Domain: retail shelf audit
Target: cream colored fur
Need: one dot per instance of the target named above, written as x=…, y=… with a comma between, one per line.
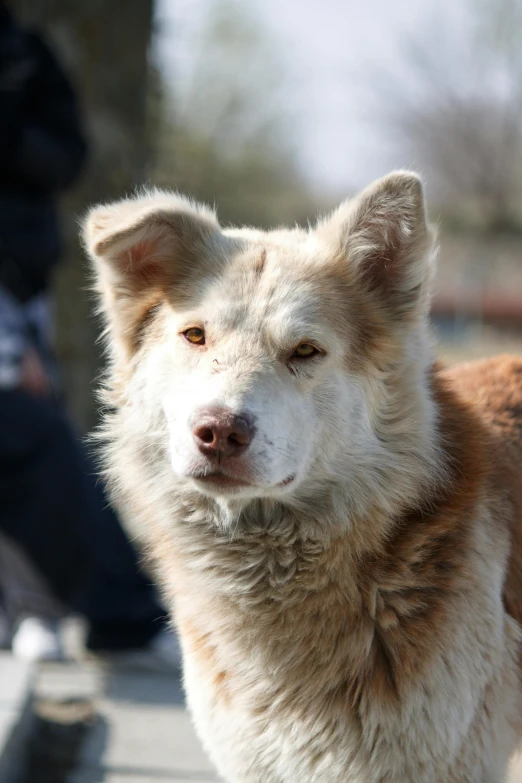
x=277, y=616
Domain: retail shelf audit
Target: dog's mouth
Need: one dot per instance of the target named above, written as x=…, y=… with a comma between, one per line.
x=223, y=481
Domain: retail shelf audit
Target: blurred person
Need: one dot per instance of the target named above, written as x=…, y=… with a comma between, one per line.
x=54, y=509
x=53, y=512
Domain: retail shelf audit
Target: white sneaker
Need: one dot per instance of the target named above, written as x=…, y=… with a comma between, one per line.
x=162, y=655
x=37, y=639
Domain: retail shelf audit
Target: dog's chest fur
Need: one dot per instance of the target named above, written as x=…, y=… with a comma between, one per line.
x=305, y=663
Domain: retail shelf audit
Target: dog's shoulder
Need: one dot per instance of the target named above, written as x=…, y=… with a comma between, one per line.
x=494, y=388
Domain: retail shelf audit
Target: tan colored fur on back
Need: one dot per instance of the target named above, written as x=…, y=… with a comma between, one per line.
x=336, y=520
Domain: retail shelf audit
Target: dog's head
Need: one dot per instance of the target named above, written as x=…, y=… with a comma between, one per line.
x=263, y=358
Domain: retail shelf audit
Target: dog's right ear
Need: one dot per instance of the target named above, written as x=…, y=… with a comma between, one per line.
x=149, y=240
x=144, y=249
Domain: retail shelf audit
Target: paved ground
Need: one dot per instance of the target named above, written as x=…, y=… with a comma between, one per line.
x=16, y=681
x=142, y=733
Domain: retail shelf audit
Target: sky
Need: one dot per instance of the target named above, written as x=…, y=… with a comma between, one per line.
x=343, y=63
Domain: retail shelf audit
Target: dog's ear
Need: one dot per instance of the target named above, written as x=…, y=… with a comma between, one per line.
x=149, y=240
x=143, y=249
x=384, y=238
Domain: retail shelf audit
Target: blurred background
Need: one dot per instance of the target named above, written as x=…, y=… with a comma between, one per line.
x=277, y=110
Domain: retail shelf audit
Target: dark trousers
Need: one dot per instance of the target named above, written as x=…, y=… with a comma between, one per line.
x=53, y=506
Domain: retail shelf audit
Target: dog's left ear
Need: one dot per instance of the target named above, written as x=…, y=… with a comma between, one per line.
x=384, y=239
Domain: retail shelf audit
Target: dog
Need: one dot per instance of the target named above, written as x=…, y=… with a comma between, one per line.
x=336, y=520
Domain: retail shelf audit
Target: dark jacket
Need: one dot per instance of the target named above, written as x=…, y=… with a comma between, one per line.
x=42, y=149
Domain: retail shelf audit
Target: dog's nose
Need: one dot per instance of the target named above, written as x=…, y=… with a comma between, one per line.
x=221, y=434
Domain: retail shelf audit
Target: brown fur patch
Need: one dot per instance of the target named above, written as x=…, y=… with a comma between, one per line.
x=494, y=388
x=259, y=263
x=408, y=583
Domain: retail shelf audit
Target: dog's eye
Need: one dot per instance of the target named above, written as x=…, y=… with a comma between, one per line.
x=195, y=336
x=305, y=351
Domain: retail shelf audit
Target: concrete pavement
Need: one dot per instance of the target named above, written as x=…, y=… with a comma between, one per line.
x=16, y=687
x=143, y=733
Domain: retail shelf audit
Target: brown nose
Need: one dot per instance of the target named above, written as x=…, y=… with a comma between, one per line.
x=220, y=434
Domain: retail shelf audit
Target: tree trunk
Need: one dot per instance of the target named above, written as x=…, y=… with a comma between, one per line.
x=104, y=47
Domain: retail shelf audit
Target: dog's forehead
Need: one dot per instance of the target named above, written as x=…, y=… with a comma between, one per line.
x=264, y=282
